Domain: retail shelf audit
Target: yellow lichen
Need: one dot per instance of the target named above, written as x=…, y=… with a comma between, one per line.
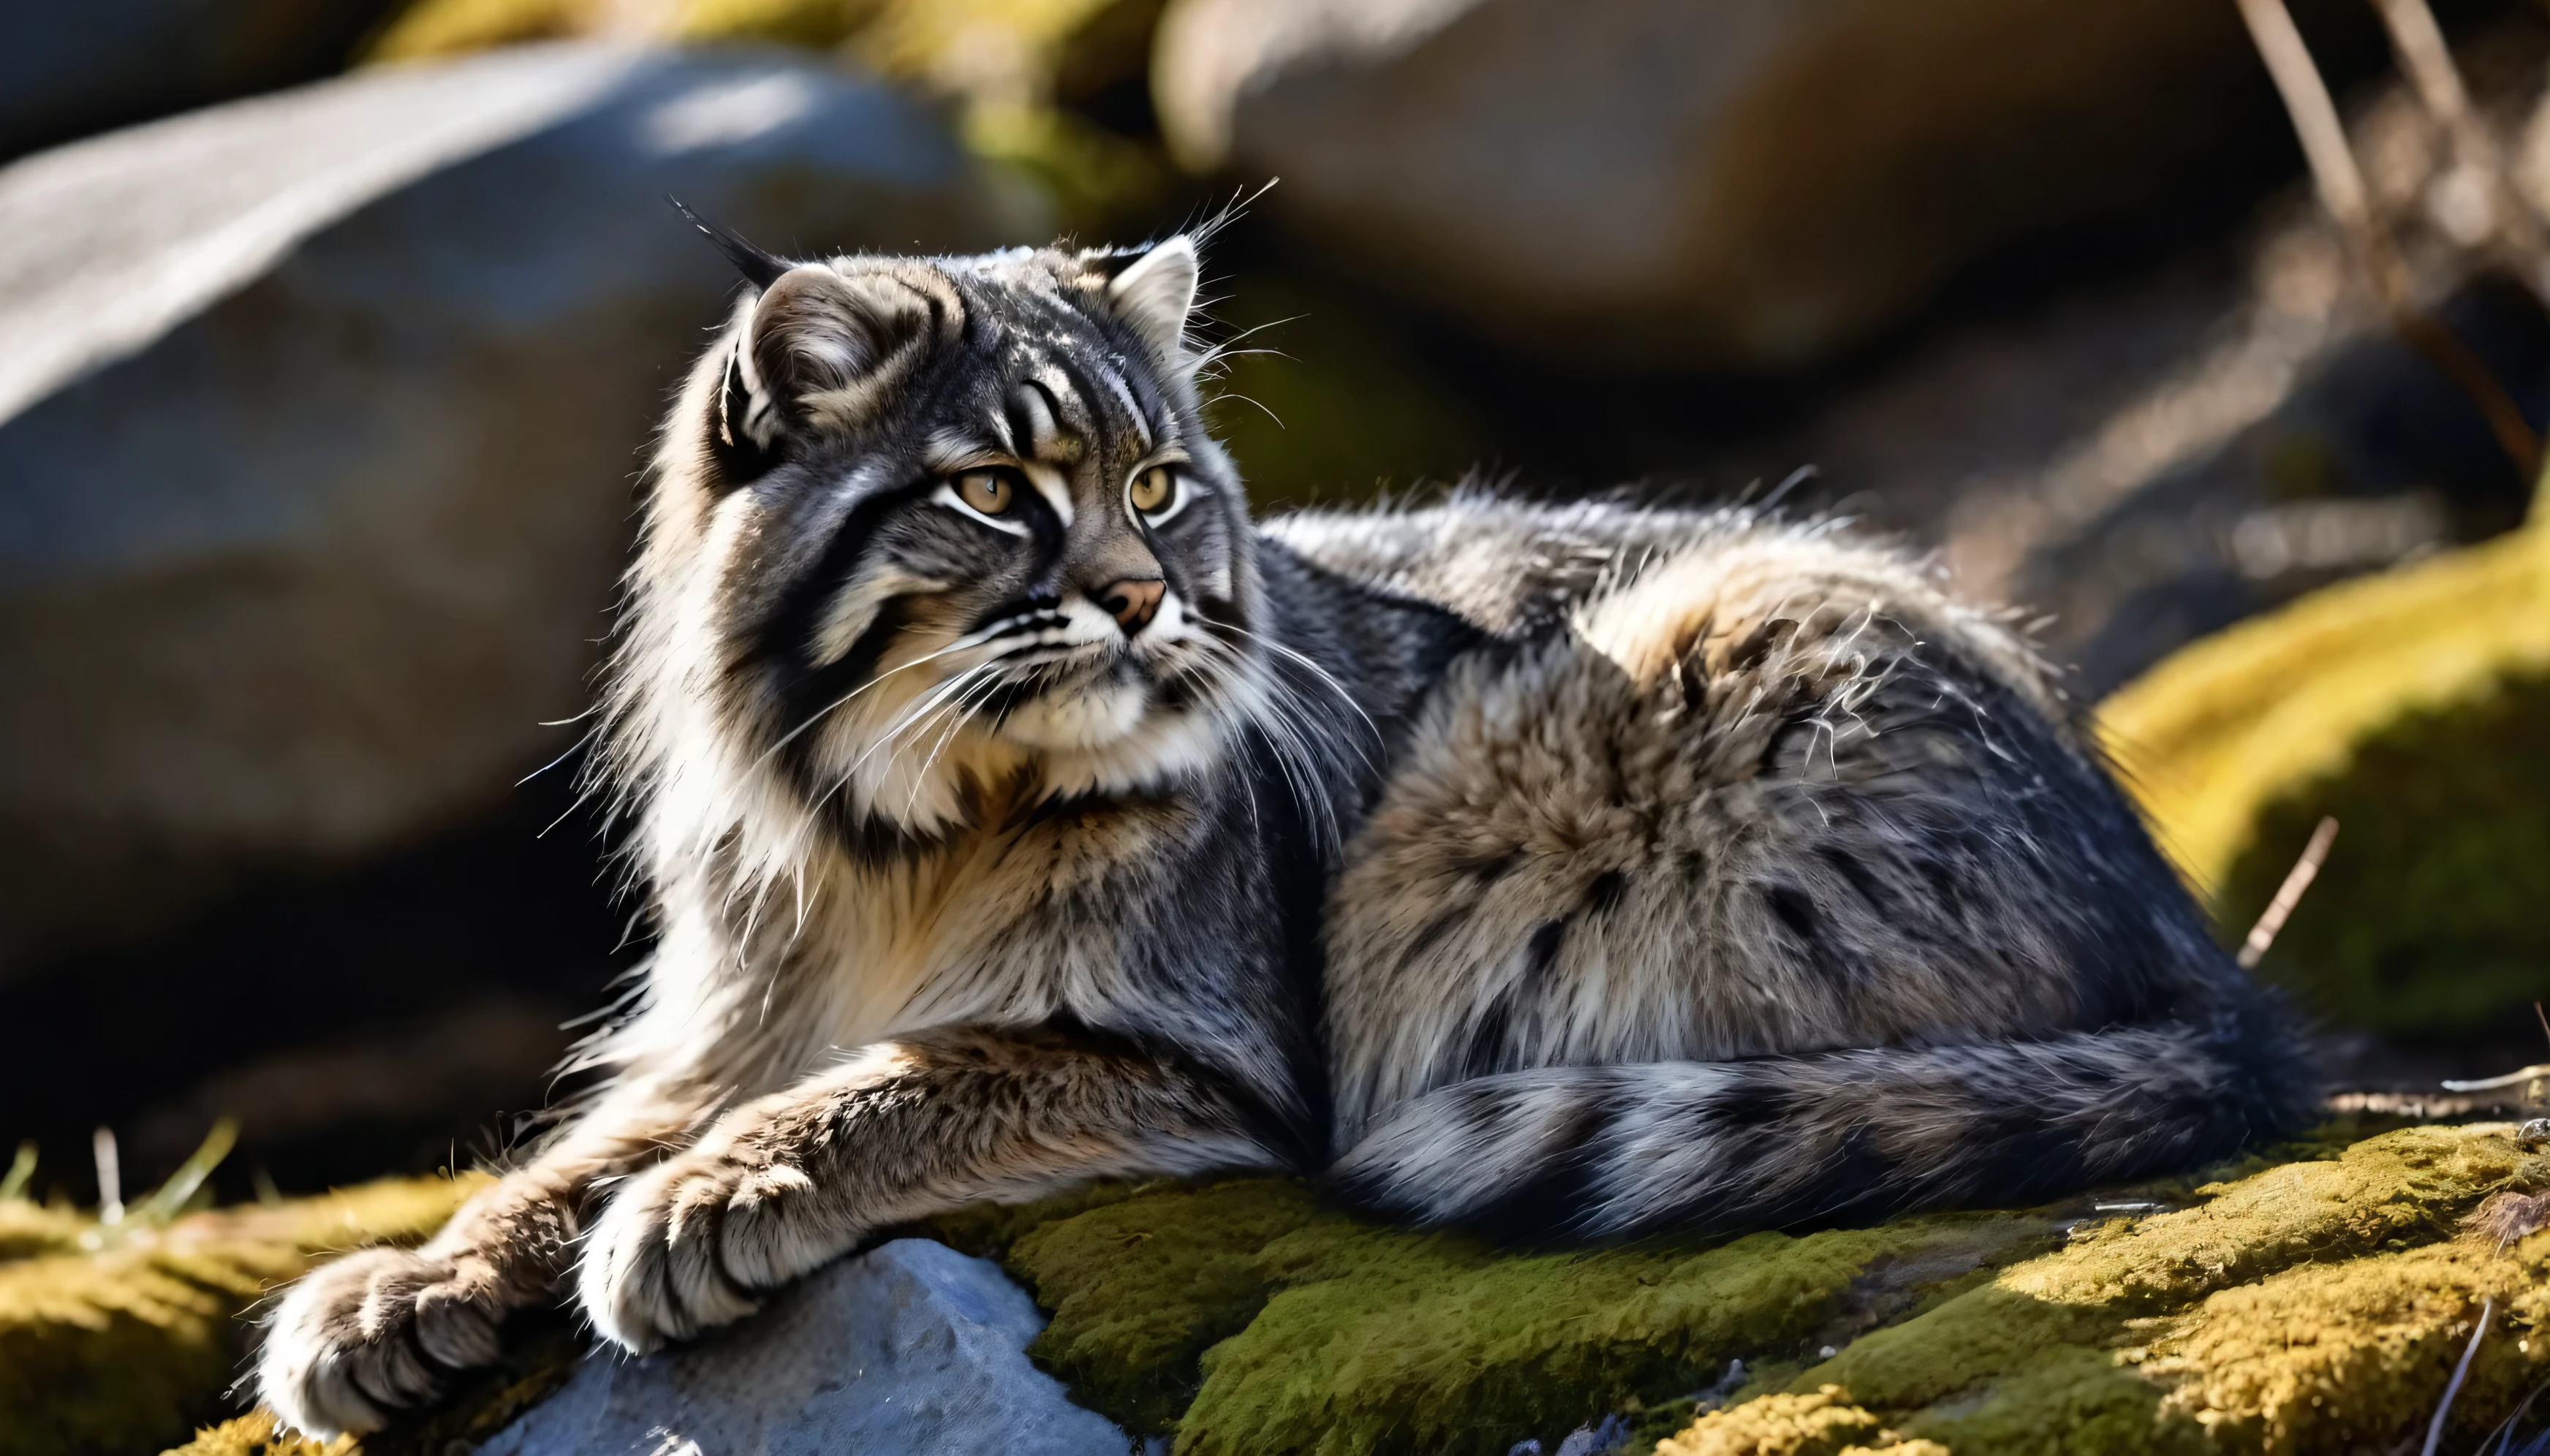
x=257, y=1433
x=1821, y=1423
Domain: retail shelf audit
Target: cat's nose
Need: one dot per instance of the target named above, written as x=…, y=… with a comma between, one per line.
x=1132, y=601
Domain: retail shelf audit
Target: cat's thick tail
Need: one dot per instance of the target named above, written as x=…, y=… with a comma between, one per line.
x=1609, y=1151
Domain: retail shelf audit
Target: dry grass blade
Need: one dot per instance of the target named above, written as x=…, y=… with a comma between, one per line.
x=2315, y=122
x=2419, y=44
x=2288, y=894
x=2435, y=1428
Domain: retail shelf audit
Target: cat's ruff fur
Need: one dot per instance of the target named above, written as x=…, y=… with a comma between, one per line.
x=1571, y=872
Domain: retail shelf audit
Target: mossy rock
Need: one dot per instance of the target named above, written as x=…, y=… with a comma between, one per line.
x=1247, y=1316
x=2314, y=1299
x=2414, y=706
x=2429, y=919
x=117, y=1341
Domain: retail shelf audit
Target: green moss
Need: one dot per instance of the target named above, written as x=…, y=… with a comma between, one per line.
x=2235, y=722
x=124, y=1344
x=1140, y=1289
x=2310, y=1299
x=2309, y=1306
x=2411, y=706
x=27, y=1230
x=2426, y=919
x=1246, y=1317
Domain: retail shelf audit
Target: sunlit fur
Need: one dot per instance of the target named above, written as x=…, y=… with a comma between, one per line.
x=1570, y=872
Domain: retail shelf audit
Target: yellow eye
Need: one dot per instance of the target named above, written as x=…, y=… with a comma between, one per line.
x=987, y=491
x=1153, y=489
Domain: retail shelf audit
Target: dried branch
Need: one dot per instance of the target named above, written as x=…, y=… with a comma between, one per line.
x=2341, y=190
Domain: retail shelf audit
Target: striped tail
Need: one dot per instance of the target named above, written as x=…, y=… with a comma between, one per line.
x=1614, y=1151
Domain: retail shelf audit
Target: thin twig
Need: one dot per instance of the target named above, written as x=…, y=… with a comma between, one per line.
x=2288, y=894
x=2419, y=44
x=2435, y=1428
x=2340, y=184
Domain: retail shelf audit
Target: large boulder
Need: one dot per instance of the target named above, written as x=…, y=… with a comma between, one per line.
x=318, y=426
x=66, y=70
x=1755, y=182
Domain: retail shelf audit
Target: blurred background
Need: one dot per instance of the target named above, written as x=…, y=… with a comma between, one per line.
x=332, y=332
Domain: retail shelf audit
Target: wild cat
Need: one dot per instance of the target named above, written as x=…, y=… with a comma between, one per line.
x=1014, y=811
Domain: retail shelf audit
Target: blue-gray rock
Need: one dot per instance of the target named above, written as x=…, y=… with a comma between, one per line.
x=910, y=1348
x=318, y=421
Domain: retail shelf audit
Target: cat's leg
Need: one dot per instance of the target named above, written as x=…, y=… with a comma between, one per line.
x=384, y=1329
x=780, y=1186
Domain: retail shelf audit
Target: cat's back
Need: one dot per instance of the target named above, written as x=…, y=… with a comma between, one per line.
x=1721, y=787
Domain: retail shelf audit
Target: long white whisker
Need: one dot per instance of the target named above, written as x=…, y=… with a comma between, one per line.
x=1324, y=677
x=931, y=702
x=1284, y=724
x=819, y=715
x=966, y=704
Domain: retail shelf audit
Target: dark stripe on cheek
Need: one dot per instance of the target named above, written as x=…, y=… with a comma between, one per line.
x=813, y=693
x=783, y=650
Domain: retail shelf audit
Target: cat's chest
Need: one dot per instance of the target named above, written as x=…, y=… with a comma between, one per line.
x=1003, y=929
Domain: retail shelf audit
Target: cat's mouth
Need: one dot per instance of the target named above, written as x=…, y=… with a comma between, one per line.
x=1099, y=694
x=1076, y=706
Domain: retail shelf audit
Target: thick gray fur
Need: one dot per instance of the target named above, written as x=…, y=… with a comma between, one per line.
x=1572, y=872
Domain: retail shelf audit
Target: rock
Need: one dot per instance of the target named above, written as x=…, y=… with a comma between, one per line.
x=2411, y=706
x=912, y=1347
x=66, y=70
x=2188, y=1314
x=1757, y=184
x=317, y=432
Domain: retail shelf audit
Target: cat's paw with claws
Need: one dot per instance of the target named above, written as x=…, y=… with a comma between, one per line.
x=376, y=1332
x=697, y=1242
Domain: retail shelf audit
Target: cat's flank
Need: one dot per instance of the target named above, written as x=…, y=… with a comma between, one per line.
x=1014, y=812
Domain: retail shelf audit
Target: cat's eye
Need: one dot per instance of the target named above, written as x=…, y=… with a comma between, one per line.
x=991, y=492
x=1154, y=490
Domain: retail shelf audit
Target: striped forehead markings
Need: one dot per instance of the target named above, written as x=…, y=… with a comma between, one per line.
x=1133, y=411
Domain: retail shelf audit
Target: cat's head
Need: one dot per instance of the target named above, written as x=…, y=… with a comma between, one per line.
x=936, y=534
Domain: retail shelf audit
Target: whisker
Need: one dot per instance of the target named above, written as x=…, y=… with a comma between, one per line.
x=819, y=715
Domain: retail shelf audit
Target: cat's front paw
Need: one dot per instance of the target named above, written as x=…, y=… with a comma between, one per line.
x=694, y=1243
x=373, y=1333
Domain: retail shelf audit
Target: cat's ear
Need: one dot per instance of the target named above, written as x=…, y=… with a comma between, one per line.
x=759, y=268
x=821, y=350
x=1153, y=294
